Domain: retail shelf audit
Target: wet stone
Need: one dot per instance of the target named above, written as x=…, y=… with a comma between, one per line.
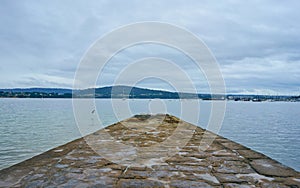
x=250, y=154
x=293, y=182
x=235, y=185
x=186, y=183
x=254, y=178
x=208, y=177
x=103, y=181
x=206, y=160
x=272, y=168
x=233, y=146
x=219, y=160
x=224, y=153
x=192, y=168
x=163, y=168
x=61, y=166
x=166, y=175
x=229, y=178
x=34, y=177
x=139, y=183
x=272, y=185
x=36, y=183
x=236, y=167
x=75, y=176
x=132, y=174
x=75, y=183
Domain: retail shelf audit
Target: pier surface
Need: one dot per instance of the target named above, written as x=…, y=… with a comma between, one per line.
x=219, y=163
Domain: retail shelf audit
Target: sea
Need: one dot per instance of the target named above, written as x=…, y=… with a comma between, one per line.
x=29, y=127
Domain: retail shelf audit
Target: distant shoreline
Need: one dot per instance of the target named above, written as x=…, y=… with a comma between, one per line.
x=127, y=92
x=149, y=99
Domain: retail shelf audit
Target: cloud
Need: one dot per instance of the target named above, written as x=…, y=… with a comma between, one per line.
x=256, y=43
x=42, y=80
x=262, y=74
x=131, y=59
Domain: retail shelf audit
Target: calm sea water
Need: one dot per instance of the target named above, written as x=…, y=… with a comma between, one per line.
x=31, y=126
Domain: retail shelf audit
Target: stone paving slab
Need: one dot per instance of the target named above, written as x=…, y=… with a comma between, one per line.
x=219, y=163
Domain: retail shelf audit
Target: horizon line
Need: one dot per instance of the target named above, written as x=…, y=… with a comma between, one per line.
x=156, y=89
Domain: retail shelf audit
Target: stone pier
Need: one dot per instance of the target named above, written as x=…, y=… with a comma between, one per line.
x=151, y=151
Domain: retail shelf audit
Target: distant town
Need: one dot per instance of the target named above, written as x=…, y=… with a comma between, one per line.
x=124, y=92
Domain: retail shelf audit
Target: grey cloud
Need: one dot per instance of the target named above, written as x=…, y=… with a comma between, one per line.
x=256, y=43
x=268, y=74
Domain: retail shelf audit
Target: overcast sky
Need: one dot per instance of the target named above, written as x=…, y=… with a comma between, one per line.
x=256, y=43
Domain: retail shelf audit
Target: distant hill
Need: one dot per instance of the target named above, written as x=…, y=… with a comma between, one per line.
x=40, y=90
x=103, y=92
x=131, y=92
x=125, y=92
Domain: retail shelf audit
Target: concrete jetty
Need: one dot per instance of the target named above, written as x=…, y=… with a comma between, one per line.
x=144, y=156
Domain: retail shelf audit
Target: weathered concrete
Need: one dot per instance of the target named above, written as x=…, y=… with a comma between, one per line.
x=223, y=164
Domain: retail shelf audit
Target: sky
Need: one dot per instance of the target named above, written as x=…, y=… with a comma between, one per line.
x=256, y=43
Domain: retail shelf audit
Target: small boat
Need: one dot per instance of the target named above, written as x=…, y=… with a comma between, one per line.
x=256, y=100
